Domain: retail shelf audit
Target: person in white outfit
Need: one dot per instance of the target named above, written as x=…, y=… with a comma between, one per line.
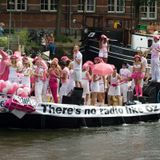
x=103, y=48
x=64, y=81
x=102, y=90
x=26, y=70
x=71, y=82
x=125, y=75
x=94, y=88
x=86, y=78
x=114, y=91
x=155, y=55
x=39, y=78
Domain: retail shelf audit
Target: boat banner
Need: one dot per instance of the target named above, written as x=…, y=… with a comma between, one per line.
x=63, y=110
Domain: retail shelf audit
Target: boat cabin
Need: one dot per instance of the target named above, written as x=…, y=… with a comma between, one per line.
x=141, y=41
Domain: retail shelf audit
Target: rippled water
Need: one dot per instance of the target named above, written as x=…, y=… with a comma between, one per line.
x=131, y=142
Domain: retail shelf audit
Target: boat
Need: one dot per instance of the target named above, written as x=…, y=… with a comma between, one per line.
x=20, y=112
x=75, y=114
x=118, y=52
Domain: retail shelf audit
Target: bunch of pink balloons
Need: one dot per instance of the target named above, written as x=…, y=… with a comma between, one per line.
x=7, y=87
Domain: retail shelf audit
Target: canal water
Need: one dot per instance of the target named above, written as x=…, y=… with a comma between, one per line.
x=128, y=142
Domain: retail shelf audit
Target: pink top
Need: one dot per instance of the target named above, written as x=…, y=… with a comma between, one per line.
x=53, y=77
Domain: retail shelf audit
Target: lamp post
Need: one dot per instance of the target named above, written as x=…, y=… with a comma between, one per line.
x=11, y=4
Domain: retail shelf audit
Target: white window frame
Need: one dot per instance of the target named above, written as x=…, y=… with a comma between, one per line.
x=148, y=12
x=49, y=7
x=15, y=4
x=80, y=5
x=86, y=3
x=115, y=6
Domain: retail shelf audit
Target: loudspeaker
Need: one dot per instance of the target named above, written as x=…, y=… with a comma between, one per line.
x=77, y=92
x=149, y=94
x=66, y=100
x=75, y=97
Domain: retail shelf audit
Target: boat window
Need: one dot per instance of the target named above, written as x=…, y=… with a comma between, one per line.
x=150, y=41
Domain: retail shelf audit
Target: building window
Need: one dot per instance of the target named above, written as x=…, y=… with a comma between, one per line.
x=49, y=5
x=80, y=5
x=116, y=6
x=86, y=6
x=148, y=10
x=16, y=5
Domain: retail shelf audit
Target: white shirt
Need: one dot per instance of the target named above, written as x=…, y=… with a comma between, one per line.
x=77, y=56
x=125, y=72
x=144, y=62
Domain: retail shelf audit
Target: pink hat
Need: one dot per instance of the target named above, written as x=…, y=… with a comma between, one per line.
x=14, y=57
x=65, y=58
x=89, y=63
x=137, y=56
x=85, y=66
x=99, y=59
x=55, y=60
x=156, y=37
x=104, y=37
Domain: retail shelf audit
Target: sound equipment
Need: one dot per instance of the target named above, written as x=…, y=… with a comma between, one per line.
x=75, y=97
x=149, y=94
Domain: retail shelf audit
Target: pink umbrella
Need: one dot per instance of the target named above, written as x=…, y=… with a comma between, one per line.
x=103, y=69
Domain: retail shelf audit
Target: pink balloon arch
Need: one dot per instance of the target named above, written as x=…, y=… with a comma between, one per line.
x=6, y=87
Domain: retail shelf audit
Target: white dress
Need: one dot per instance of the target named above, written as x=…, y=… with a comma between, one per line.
x=26, y=78
x=12, y=77
x=114, y=90
x=85, y=84
x=95, y=86
x=103, y=52
x=71, y=82
x=101, y=85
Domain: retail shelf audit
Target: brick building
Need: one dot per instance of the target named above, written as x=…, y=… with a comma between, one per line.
x=76, y=14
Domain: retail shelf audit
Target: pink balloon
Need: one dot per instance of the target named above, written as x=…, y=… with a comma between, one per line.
x=10, y=91
x=23, y=94
x=15, y=87
x=0, y=86
x=27, y=90
x=19, y=91
x=3, y=85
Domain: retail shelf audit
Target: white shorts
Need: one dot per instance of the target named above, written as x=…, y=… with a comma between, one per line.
x=95, y=86
x=114, y=91
x=101, y=87
x=103, y=54
x=85, y=85
x=77, y=75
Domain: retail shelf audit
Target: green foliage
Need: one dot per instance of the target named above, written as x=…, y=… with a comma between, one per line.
x=3, y=42
x=23, y=36
x=63, y=39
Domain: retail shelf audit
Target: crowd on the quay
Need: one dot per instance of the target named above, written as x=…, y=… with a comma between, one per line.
x=58, y=77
